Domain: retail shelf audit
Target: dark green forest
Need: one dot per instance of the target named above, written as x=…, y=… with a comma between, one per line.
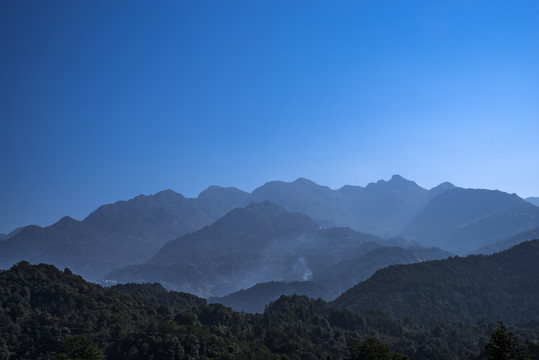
x=503, y=286
x=46, y=313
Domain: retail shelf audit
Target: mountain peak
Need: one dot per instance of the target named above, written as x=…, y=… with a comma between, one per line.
x=395, y=181
x=67, y=220
x=304, y=181
x=164, y=194
x=444, y=185
x=397, y=178
x=215, y=190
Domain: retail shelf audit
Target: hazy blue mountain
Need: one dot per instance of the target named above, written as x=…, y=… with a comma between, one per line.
x=455, y=219
x=13, y=233
x=401, y=242
x=130, y=232
x=384, y=207
x=437, y=190
x=349, y=272
x=501, y=286
x=463, y=220
x=259, y=243
x=322, y=204
x=242, y=232
x=512, y=241
x=119, y=234
x=328, y=283
x=380, y=208
x=533, y=200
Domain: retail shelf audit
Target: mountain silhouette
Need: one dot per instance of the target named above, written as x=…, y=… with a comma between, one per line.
x=119, y=234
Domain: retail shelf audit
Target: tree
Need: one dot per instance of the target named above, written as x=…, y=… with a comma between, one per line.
x=370, y=349
x=78, y=347
x=503, y=345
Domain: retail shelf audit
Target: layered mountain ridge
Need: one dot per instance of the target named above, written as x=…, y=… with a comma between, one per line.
x=131, y=232
x=259, y=243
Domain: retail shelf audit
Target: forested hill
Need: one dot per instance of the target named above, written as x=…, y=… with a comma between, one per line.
x=43, y=310
x=502, y=286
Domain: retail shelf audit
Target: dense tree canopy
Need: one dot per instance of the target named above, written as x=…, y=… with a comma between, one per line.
x=47, y=313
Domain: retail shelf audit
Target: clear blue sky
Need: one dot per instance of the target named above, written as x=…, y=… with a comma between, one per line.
x=105, y=100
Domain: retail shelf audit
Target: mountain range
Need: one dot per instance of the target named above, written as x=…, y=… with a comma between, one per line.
x=118, y=234
x=136, y=232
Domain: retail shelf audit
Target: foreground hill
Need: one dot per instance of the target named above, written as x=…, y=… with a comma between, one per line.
x=42, y=308
x=256, y=298
x=503, y=286
x=259, y=243
x=118, y=234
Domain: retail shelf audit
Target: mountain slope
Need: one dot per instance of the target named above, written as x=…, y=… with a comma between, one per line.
x=348, y=273
x=256, y=298
x=330, y=282
x=502, y=286
x=462, y=220
x=512, y=241
x=533, y=200
x=259, y=243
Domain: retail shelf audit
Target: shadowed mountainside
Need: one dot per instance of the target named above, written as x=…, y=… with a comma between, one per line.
x=328, y=283
x=503, y=286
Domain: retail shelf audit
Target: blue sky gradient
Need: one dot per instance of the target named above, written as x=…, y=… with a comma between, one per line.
x=102, y=101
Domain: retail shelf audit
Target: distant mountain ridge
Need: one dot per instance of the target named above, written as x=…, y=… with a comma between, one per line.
x=130, y=232
x=118, y=234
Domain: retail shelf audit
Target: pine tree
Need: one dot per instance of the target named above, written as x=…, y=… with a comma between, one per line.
x=503, y=345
